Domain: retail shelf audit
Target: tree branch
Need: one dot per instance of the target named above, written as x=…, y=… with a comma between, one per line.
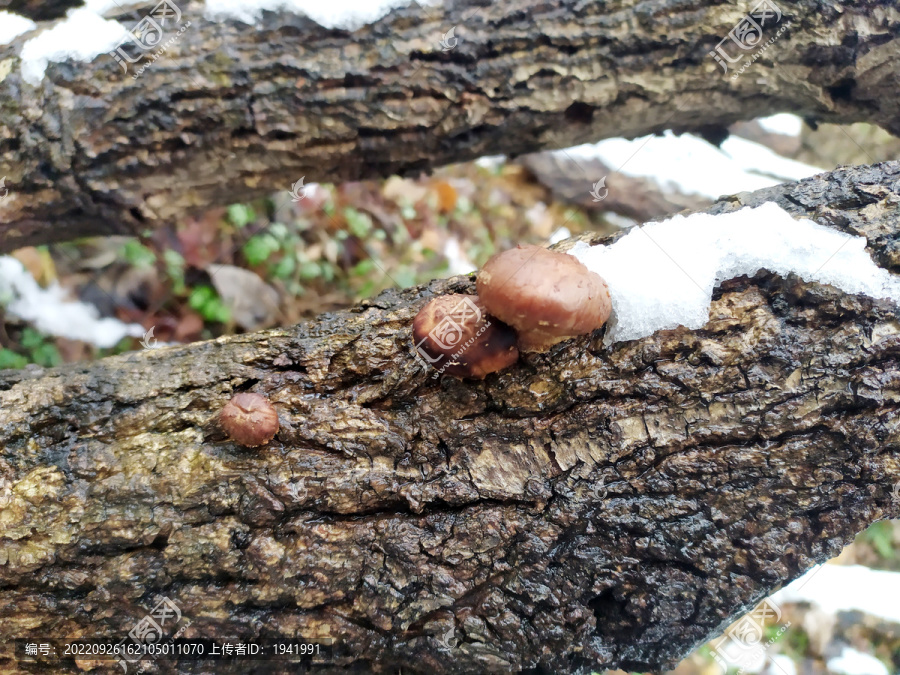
x=585, y=509
x=231, y=112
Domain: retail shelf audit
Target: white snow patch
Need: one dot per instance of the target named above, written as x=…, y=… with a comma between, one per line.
x=347, y=14
x=782, y=123
x=762, y=160
x=491, y=162
x=758, y=661
x=50, y=312
x=662, y=275
x=841, y=588
x=690, y=165
x=81, y=36
x=457, y=261
x=854, y=662
x=12, y=26
x=561, y=234
x=781, y=664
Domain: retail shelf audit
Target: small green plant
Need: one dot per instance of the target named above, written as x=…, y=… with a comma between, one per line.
x=260, y=247
x=359, y=224
x=174, y=263
x=9, y=359
x=880, y=536
x=38, y=348
x=138, y=255
x=207, y=302
x=240, y=215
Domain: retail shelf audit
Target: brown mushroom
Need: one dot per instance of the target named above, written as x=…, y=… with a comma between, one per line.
x=454, y=334
x=249, y=419
x=545, y=295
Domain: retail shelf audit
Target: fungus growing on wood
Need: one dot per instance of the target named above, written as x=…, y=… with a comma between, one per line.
x=249, y=419
x=454, y=334
x=545, y=295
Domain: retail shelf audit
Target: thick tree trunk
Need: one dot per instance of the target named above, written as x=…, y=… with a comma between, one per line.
x=233, y=111
x=587, y=508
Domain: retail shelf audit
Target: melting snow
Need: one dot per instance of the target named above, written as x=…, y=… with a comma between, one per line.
x=782, y=123
x=855, y=662
x=690, y=165
x=662, y=275
x=348, y=14
x=12, y=26
x=841, y=588
x=50, y=312
x=81, y=36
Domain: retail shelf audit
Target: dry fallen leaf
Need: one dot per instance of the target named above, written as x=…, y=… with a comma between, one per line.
x=252, y=302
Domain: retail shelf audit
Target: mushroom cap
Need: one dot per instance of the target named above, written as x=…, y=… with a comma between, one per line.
x=455, y=335
x=249, y=419
x=547, y=296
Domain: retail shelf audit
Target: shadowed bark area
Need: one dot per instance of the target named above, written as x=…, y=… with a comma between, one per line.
x=40, y=10
x=587, y=508
x=232, y=111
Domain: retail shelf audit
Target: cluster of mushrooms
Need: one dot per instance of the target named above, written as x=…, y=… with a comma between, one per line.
x=534, y=298
x=529, y=298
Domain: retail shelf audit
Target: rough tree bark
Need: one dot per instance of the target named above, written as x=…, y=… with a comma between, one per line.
x=587, y=508
x=232, y=111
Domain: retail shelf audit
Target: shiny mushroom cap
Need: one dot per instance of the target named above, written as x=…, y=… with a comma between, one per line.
x=249, y=419
x=545, y=295
x=455, y=335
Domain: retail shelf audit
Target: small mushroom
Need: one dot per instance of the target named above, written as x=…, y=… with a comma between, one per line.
x=249, y=419
x=454, y=334
x=545, y=295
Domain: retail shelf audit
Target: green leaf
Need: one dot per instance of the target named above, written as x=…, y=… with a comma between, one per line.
x=47, y=355
x=279, y=231
x=362, y=268
x=9, y=359
x=241, y=214
x=880, y=536
x=360, y=224
x=31, y=339
x=309, y=270
x=259, y=247
x=204, y=300
x=174, y=263
x=138, y=255
x=285, y=267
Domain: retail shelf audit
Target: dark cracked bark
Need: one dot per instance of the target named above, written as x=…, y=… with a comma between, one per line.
x=587, y=508
x=232, y=111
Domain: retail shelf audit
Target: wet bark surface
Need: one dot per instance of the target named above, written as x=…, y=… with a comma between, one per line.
x=230, y=111
x=588, y=508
